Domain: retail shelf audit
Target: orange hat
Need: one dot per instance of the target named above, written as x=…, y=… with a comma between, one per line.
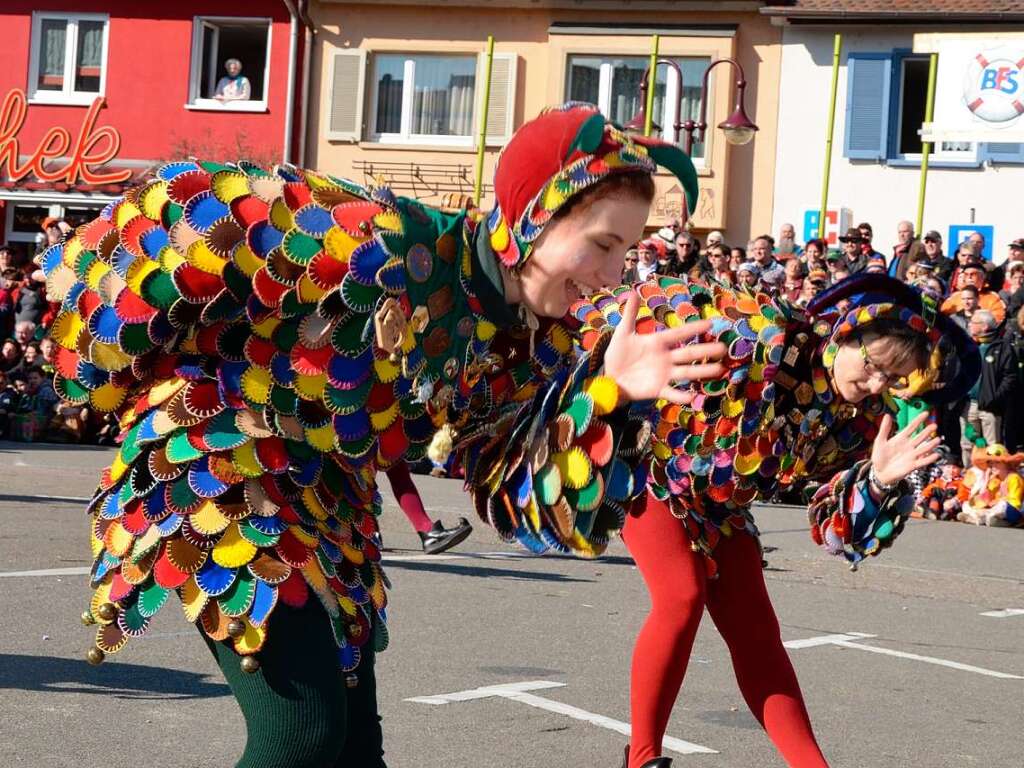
x=995, y=454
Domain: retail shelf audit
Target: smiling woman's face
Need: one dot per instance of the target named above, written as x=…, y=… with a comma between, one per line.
x=579, y=253
x=857, y=376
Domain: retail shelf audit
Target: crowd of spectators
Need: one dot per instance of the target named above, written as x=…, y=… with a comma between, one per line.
x=985, y=299
x=30, y=409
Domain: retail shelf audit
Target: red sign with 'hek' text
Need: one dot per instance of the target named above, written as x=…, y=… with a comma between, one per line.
x=91, y=148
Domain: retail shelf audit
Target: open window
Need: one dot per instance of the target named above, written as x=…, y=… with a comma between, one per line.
x=885, y=107
x=909, y=112
x=68, y=57
x=230, y=63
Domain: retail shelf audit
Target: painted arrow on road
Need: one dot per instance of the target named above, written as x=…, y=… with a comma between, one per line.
x=847, y=641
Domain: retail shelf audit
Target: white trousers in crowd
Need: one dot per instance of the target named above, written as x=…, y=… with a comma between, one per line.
x=988, y=425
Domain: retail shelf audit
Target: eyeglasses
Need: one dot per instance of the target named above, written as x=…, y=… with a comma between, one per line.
x=889, y=380
x=634, y=259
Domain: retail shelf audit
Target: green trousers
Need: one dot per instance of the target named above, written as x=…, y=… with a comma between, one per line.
x=299, y=711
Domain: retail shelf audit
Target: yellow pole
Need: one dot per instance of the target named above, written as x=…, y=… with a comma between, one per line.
x=926, y=146
x=836, y=49
x=652, y=76
x=482, y=143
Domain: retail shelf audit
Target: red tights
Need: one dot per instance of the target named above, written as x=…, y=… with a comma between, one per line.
x=408, y=497
x=739, y=605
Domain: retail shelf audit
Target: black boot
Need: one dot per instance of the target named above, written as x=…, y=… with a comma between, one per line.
x=658, y=762
x=439, y=539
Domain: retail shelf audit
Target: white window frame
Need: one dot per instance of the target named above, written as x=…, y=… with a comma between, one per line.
x=404, y=136
x=937, y=154
x=672, y=84
x=67, y=95
x=195, y=80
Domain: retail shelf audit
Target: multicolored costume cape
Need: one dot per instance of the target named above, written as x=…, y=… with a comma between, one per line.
x=269, y=340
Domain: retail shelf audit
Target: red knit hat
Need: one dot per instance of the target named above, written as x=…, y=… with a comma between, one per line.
x=559, y=154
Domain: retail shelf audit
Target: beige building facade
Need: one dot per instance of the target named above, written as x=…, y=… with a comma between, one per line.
x=397, y=91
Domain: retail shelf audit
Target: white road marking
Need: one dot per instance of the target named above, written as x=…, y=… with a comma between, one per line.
x=1005, y=613
x=84, y=570
x=520, y=692
x=37, y=498
x=846, y=641
x=78, y=571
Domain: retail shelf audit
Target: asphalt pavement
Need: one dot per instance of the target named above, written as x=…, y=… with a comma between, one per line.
x=499, y=659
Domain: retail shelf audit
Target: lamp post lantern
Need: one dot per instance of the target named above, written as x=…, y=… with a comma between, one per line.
x=738, y=127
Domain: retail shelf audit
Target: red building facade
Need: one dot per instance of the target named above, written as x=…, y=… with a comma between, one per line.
x=95, y=94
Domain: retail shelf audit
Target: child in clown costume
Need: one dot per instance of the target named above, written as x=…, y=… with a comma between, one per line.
x=271, y=339
x=991, y=491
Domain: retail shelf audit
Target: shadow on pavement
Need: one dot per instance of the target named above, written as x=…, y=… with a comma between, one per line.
x=476, y=570
x=127, y=681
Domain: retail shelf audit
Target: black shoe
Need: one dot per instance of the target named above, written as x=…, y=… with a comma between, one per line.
x=440, y=539
x=658, y=762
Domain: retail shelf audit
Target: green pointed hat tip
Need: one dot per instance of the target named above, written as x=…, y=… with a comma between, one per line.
x=589, y=136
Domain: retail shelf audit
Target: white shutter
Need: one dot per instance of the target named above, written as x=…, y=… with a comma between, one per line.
x=501, y=111
x=345, y=108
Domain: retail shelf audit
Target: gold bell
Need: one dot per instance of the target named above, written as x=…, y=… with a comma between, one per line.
x=249, y=664
x=87, y=618
x=95, y=656
x=236, y=628
x=107, y=612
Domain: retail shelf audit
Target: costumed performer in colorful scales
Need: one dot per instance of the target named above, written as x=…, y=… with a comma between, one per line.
x=806, y=396
x=271, y=339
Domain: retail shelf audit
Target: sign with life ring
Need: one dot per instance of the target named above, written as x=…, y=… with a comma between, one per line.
x=993, y=85
x=979, y=87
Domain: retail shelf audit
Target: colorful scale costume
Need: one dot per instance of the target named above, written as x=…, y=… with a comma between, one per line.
x=774, y=419
x=271, y=339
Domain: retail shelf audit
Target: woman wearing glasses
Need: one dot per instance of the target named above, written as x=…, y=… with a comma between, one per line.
x=806, y=397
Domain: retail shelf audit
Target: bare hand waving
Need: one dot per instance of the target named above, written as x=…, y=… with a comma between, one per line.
x=645, y=364
x=893, y=457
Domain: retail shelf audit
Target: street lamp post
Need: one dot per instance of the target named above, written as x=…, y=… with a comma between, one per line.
x=738, y=127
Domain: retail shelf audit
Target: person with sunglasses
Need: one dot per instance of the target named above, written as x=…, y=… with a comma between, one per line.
x=807, y=397
x=630, y=272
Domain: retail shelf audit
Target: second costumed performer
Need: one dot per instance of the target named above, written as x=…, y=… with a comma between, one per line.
x=806, y=397
x=272, y=339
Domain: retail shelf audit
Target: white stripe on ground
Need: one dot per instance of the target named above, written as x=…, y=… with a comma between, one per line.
x=84, y=570
x=1005, y=613
x=78, y=571
x=45, y=497
x=846, y=641
x=519, y=692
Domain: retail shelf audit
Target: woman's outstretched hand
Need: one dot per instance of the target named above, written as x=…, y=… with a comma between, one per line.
x=893, y=457
x=645, y=365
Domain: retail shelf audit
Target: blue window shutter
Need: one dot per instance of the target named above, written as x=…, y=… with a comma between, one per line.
x=868, y=82
x=1002, y=152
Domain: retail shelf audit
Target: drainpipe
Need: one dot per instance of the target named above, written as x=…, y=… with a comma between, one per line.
x=307, y=52
x=293, y=42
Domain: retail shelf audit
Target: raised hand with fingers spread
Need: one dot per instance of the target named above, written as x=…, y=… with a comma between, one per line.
x=894, y=457
x=646, y=365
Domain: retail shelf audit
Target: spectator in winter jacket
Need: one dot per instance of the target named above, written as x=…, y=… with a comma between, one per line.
x=973, y=273
x=968, y=306
x=988, y=399
x=771, y=271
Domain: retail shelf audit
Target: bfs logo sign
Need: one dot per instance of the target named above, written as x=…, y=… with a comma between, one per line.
x=993, y=85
